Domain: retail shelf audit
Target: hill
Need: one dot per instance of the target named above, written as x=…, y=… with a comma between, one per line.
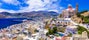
x=81, y=17
x=32, y=14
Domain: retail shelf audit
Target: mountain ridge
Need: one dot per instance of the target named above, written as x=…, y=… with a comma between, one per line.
x=30, y=14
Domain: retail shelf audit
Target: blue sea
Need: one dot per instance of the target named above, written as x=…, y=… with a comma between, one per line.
x=5, y=22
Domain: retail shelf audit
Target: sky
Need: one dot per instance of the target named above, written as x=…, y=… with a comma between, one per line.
x=14, y=6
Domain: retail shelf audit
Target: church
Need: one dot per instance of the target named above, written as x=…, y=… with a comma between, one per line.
x=70, y=11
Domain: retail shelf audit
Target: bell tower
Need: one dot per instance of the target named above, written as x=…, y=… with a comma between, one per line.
x=76, y=8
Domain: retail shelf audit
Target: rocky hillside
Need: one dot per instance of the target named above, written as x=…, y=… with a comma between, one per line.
x=85, y=14
x=81, y=17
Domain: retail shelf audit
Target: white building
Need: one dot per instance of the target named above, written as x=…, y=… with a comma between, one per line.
x=80, y=37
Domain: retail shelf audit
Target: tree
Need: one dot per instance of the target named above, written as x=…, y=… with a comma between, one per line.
x=70, y=34
x=82, y=29
x=86, y=19
x=47, y=34
x=54, y=29
x=50, y=31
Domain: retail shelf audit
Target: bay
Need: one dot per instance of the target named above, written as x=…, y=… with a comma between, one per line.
x=5, y=22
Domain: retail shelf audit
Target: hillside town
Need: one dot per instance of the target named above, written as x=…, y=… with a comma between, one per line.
x=66, y=26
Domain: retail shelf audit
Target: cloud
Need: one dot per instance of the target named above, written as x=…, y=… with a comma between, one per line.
x=36, y=5
x=13, y=2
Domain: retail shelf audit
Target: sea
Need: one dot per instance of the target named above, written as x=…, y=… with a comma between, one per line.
x=6, y=22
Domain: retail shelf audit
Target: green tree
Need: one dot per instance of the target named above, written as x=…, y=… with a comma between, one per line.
x=82, y=29
x=54, y=29
x=70, y=34
x=47, y=34
x=50, y=31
